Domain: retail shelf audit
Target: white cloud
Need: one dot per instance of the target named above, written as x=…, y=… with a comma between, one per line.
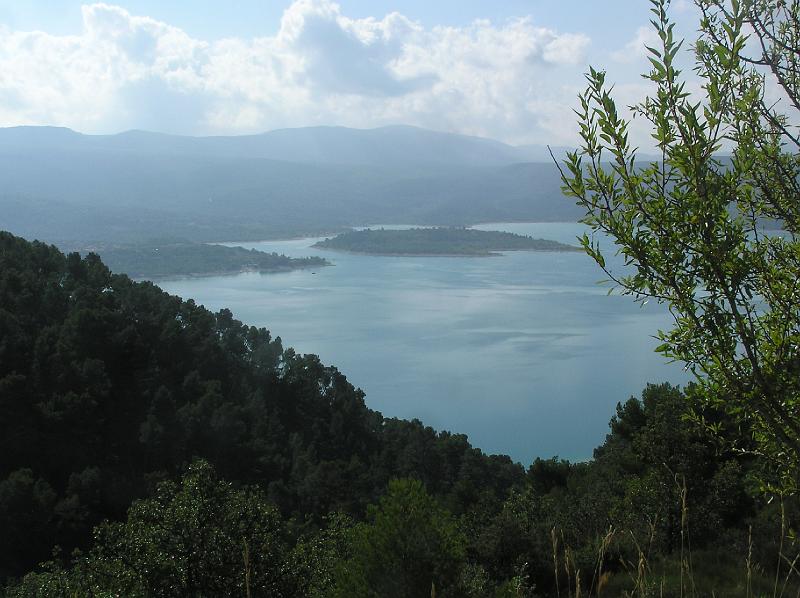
x=684, y=6
x=636, y=49
x=513, y=81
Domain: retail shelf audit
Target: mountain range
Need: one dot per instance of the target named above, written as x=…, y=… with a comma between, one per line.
x=69, y=188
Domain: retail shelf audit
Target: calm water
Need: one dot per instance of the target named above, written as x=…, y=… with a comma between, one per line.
x=525, y=352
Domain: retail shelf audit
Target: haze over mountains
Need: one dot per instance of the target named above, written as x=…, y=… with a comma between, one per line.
x=65, y=187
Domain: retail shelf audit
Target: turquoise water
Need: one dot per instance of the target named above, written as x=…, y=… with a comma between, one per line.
x=525, y=352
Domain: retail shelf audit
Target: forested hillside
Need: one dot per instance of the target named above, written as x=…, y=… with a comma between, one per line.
x=111, y=390
x=108, y=387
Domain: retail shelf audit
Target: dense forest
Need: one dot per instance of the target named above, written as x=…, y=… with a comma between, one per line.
x=196, y=259
x=437, y=241
x=153, y=448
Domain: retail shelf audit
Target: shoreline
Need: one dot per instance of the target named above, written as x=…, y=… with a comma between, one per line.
x=194, y=275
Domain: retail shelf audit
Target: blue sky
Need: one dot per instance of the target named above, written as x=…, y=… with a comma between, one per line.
x=211, y=19
x=508, y=70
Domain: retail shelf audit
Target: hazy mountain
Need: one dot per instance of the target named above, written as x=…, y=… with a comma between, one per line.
x=331, y=145
x=60, y=185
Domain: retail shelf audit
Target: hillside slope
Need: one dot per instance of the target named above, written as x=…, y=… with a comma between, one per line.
x=108, y=386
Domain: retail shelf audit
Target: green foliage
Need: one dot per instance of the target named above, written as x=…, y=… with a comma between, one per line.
x=690, y=226
x=658, y=483
x=548, y=474
x=409, y=547
x=437, y=241
x=200, y=537
x=657, y=489
x=26, y=511
x=318, y=554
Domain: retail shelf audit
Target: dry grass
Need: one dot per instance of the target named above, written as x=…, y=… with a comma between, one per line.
x=687, y=574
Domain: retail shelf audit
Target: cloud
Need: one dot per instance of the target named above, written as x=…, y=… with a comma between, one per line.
x=685, y=6
x=346, y=56
x=636, y=49
x=507, y=80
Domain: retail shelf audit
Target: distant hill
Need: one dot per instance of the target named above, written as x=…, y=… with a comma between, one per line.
x=65, y=187
x=395, y=145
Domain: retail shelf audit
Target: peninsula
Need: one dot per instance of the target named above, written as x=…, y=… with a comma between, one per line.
x=175, y=259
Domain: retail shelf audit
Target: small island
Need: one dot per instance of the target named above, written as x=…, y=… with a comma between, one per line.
x=176, y=259
x=440, y=241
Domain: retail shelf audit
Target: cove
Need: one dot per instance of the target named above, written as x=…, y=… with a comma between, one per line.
x=525, y=352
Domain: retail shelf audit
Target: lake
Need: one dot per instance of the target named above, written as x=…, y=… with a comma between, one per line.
x=526, y=352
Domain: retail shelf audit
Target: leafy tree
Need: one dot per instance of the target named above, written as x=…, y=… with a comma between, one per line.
x=655, y=462
x=691, y=226
x=546, y=474
x=200, y=537
x=410, y=547
x=317, y=556
x=673, y=476
x=26, y=518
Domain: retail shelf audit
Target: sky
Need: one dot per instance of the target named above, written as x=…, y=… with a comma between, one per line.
x=507, y=70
